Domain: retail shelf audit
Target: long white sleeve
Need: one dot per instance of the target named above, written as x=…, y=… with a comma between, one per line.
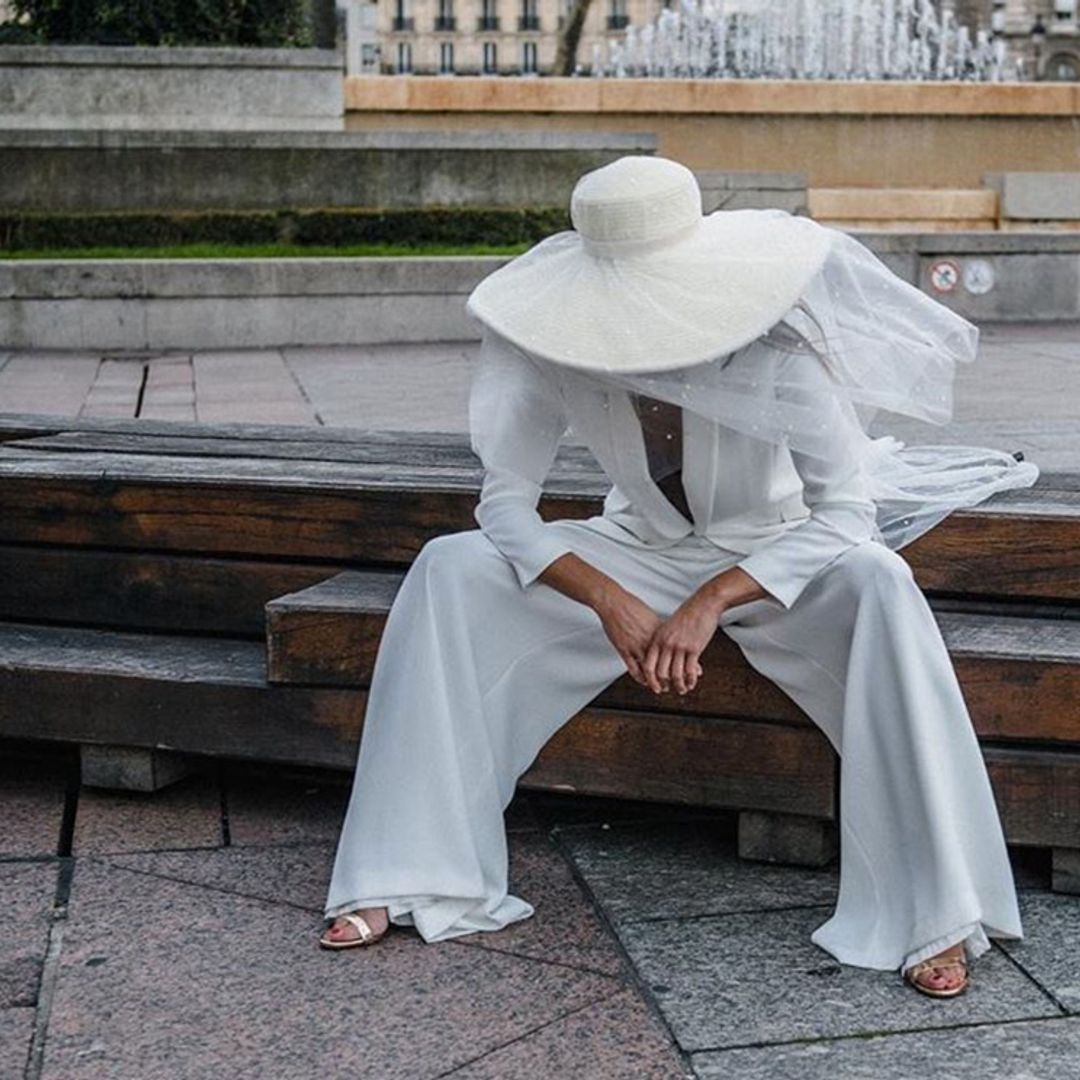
x=835, y=491
x=516, y=419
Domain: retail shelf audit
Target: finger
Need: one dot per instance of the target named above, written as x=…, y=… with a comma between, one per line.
x=678, y=671
x=633, y=665
x=693, y=670
x=652, y=654
x=663, y=666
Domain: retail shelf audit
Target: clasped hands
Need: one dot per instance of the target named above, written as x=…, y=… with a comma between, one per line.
x=659, y=653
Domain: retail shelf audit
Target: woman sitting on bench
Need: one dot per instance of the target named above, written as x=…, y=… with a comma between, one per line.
x=722, y=369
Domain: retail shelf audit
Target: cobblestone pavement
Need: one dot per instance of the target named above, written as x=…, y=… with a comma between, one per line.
x=1022, y=393
x=173, y=936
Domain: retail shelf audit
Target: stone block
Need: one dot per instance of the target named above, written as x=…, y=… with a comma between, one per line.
x=130, y=768
x=786, y=838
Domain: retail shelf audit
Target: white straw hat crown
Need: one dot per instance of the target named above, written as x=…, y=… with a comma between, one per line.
x=634, y=203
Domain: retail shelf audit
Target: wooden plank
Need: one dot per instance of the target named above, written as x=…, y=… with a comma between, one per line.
x=145, y=591
x=170, y=693
x=383, y=514
x=1038, y=795
x=1020, y=676
x=702, y=761
x=211, y=697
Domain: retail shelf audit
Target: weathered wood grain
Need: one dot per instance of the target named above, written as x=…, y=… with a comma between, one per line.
x=133, y=590
x=1020, y=676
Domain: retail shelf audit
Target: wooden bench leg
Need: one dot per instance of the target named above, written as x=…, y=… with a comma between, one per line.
x=786, y=838
x=1065, y=870
x=129, y=768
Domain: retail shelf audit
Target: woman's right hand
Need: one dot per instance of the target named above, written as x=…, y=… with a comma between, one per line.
x=629, y=624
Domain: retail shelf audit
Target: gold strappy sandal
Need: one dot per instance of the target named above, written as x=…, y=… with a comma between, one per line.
x=912, y=975
x=367, y=935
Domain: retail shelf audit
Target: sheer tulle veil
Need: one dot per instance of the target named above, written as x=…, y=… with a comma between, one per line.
x=859, y=345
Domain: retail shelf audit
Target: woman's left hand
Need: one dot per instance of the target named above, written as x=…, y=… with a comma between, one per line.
x=678, y=642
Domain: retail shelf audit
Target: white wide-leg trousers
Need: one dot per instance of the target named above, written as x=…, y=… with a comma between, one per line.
x=474, y=675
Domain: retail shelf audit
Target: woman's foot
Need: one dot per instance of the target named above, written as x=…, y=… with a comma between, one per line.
x=364, y=926
x=942, y=975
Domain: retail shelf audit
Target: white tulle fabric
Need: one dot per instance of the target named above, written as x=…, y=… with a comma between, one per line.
x=885, y=346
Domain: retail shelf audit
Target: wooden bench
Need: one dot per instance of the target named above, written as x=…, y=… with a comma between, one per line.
x=221, y=590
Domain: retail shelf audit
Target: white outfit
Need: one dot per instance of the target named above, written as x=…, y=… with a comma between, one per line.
x=480, y=664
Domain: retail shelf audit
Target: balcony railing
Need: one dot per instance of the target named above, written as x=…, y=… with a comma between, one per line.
x=445, y=22
x=404, y=23
x=618, y=22
x=487, y=22
x=529, y=22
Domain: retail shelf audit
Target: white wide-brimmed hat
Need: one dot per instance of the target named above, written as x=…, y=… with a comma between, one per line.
x=645, y=281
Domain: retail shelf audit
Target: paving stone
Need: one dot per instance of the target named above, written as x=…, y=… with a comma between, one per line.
x=297, y=874
x=32, y=803
x=393, y=387
x=265, y=808
x=1050, y=949
x=659, y=870
x=28, y=890
x=186, y=814
x=1032, y=1050
x=16, y=1031
x=211, y=977
x=615, y=1039
x=564, y=928
x=735, y=980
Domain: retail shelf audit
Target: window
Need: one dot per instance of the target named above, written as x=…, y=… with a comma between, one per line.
x=530, y=19
x=1064, y=67
x=528, y=57
x=617, y=17
x=446, y=58
x=404, y=57
x=444, y=20
x=491, y=64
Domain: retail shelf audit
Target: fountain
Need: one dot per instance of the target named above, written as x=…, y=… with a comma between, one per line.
x=804, y=39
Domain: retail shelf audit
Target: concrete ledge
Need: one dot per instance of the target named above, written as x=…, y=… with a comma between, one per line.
x=95, y=171
x=383, y=93
x=72, y=86
x=224, y=303
x=1038, y=196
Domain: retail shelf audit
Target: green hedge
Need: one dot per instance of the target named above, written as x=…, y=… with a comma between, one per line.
x=264, y=23
x=333, y=227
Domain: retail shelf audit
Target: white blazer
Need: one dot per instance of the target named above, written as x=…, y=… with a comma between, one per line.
x=789, y=513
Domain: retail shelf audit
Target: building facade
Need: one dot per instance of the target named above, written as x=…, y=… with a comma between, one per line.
x=520, y=37
x=1043, y=34
x=494, y=37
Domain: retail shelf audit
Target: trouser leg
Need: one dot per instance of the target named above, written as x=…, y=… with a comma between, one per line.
x=923, y=861
x=473, y=675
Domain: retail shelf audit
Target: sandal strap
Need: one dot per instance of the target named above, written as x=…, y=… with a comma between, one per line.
x=927, y=965
x=361, y=925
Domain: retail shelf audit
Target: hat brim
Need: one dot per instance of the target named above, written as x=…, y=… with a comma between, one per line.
x=683, y=303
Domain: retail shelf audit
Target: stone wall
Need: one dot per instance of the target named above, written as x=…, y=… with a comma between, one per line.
x=839, y=134
x=237, y=303
x=90, y=86
x=116, y=170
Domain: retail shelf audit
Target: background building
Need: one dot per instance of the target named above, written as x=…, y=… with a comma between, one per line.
x=494, y=37
x=1044, y=34
x=519, y=37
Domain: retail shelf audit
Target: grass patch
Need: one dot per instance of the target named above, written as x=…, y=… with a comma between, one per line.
x=265, y=251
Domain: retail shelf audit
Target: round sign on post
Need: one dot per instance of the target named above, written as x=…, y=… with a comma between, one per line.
x=944, y=275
